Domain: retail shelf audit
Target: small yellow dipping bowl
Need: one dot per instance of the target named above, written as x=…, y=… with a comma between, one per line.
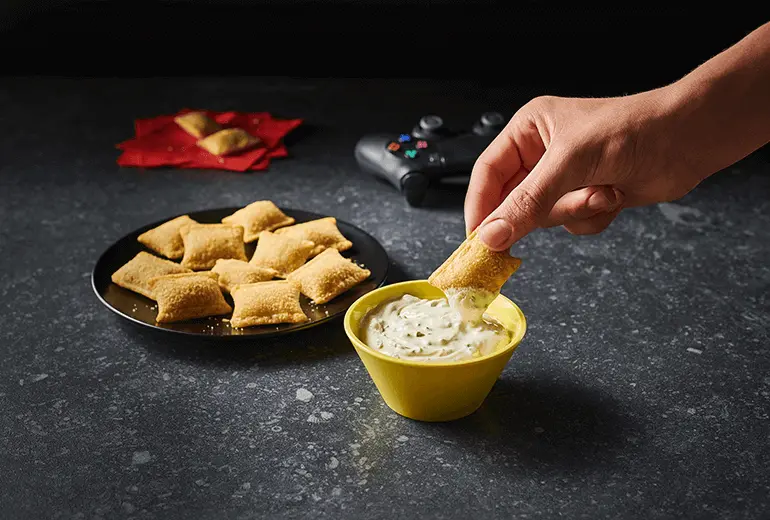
x=433, y=391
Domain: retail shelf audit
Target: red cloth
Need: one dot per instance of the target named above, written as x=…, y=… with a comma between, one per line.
x=159, y=141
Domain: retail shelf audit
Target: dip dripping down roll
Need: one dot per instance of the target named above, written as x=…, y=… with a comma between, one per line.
x=472, y=276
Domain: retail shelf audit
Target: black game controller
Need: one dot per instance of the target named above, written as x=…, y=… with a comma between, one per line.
x=412, y=162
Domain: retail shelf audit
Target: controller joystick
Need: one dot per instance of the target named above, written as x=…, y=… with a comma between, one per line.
x=429, y=127
x=411, y=162
x=490, y=123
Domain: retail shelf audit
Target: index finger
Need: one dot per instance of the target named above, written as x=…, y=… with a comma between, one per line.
x=500, y=168
x=498, y=163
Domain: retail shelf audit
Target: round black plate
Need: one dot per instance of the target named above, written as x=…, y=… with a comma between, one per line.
x=366, y=251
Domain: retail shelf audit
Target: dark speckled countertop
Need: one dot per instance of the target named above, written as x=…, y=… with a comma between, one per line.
x=641, y=390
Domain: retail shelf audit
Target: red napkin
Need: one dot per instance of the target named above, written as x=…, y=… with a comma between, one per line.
x=159, y=141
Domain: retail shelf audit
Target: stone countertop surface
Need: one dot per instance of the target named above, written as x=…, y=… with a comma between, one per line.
x=641, y=389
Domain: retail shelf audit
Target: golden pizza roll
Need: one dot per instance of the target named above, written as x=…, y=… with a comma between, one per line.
x=135, y=275
x=262, y=215
x=323, y=232
x=284, y=253
x=235, y=272
x=327, y=276
x=473, y=275
x=197, y=124
x=228, y=141
x=266, y=303
x=204, y=244
x=188, y=296
x=165, y=239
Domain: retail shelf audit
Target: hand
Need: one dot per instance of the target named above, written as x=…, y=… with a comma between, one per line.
x=575, y=163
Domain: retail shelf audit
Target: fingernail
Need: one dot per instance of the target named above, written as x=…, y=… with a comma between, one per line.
x=618, y=197
x=600, y=201
x=496, y=233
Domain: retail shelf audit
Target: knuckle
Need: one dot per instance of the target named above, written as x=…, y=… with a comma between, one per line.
x=580, y=158
x=542, y=102
x=483, y=169
x=535, y=108
x=525, y=205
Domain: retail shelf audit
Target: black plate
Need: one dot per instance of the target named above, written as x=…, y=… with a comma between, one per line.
x=366, y=251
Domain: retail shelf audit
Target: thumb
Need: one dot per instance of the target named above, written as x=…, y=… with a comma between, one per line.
x=527, y=206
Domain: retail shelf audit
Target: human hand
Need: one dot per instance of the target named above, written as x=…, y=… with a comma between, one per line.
x=575, y=162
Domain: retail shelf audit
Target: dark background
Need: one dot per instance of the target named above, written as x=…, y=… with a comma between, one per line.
x=640, y=392
x=592, y=49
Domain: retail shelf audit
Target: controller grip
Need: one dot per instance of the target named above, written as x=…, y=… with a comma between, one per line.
x=414, y=186
x=372, y=155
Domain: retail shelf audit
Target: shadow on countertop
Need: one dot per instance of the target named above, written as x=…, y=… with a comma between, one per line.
x=546, y=423
x=322, y=342
x=304, y=131
x=448, y=194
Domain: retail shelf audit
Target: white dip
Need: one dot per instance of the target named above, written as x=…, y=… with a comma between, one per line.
x=470, y=303
x=408, y=327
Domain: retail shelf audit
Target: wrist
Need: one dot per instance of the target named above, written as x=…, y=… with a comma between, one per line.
x=679, y=121
x=659, y=119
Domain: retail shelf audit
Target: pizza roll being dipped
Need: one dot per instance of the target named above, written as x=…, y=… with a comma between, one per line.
x=262, y=215
x=197, y=124
x=327, y=276
x=233, y=272
x=135, y=275
x=323, y=232
x=472, y=276
x=165, y=239
x=266, y=303
x=283, y=253
x=228, y=141
x=188, y=296
x=204, y=244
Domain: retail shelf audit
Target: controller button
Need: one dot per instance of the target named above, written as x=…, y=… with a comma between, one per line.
x=410, y=154
x=405, y=138
x=394, y=147
x=422, y=145
x=435, y=158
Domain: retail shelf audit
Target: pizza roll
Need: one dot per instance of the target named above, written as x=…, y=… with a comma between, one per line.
x=234, y=272
x=204, y=244
x=284, y=253
x=228, y=141
x=323, y=232
x=135, y=275
x=473, y=275
x=197, y=124
x=188, y=296
x=165, y=239
x=266, y=303
x=327, y=276
x=258, y=216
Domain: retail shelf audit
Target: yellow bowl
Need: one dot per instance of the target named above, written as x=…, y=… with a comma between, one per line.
x=433, y=391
